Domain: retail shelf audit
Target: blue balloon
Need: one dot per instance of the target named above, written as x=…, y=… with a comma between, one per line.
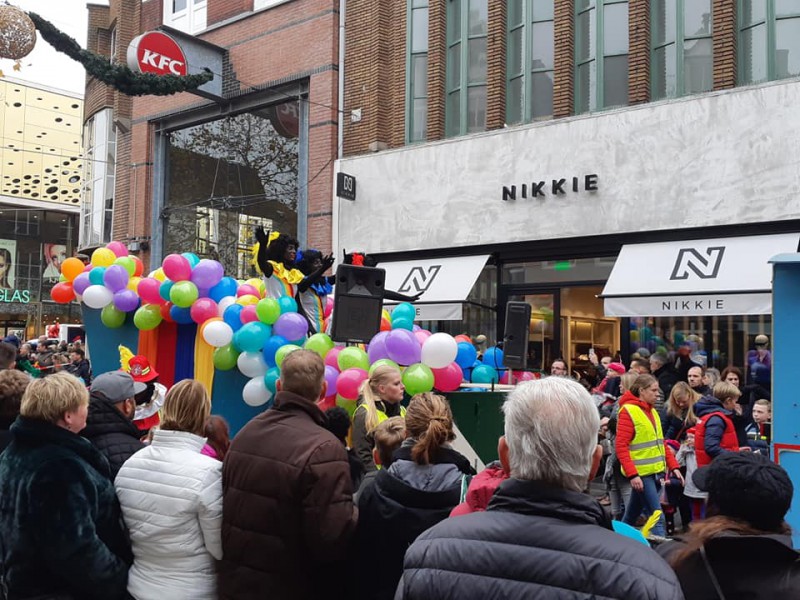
x=251, y=337
x=287, y=304
x=182, y=316
x=164, y=289
x=232, y=316
x=96, y=275
x=271, y=347
x=493, y=357
x=192, y=258
x=484, y=374
x=404, y=311
x=466, y=355
x=272, y=376
x=402, y=323
x=226, y=287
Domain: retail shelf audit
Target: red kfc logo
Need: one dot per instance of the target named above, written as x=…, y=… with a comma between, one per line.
x=156, y=52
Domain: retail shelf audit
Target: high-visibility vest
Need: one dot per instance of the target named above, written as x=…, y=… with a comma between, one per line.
x=647, y=445
x=382, y=416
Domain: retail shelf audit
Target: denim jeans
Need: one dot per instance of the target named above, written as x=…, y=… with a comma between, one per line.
x=647, y=500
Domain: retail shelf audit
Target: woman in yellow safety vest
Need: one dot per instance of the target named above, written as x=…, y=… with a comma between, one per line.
x=643, y=457
x=379, y=399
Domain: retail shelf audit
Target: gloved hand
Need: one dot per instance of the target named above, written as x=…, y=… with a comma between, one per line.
x=327, y=261
x=261, y=235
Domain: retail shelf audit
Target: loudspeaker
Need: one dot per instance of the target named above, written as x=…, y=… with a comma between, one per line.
x=515, y=342
x=357, y=303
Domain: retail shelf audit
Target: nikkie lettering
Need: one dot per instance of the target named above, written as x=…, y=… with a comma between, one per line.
x=555, y=187
x=717, y=304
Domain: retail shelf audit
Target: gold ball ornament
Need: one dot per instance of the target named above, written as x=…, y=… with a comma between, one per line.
x=17, y=33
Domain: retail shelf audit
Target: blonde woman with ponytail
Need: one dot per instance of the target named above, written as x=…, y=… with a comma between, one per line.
x=379, y=398
x=419, y=489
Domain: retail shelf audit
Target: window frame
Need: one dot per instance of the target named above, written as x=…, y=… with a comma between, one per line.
x=186, y=19
x=411, y=96
x=770, y=21
x=680, y=49
x=464, y=84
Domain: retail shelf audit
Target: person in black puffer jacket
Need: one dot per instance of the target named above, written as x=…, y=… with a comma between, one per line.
x=541, y=536
x=419, y=489
x=109, y=425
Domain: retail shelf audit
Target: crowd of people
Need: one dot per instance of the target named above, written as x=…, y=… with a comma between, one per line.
x=44, y=356
x=99, y=501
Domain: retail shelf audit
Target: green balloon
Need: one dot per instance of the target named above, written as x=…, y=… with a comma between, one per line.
x=283, y=352
x=418, y=378
x=348, y=405
x=147, y=317
x=183, y=294
x=127, y=263
x=62, y=278
x=353, y=358
x=112, y=317
x=321, y=343
x=225, y=357
x=383, y=362
x=268, y=310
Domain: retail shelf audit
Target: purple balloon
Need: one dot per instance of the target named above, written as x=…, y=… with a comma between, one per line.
x=403, y=347
x=115, y=278
x=377, y=347
x=81, y=283
x=331, y=375
x=126, y=300
x=207, y=274
x=292, y=326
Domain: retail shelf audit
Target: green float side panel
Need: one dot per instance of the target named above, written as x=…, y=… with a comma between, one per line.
x=478, y=416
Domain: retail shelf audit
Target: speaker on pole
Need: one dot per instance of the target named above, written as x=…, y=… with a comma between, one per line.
x=357, y=303
x=515, y=340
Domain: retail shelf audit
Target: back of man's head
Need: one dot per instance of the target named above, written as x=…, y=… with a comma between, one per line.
x=8, y=356
x=658, y=360
x=551, y=430
x=303, y=373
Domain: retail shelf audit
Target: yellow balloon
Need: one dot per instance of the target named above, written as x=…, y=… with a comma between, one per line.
x=386, y=315
x=103, y=257
x=255, y=282
x=247, y=300
x=159, y=274
x=133, y=282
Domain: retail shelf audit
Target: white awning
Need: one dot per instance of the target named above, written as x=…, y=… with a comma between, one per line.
x=445, y=283
x=725, y=276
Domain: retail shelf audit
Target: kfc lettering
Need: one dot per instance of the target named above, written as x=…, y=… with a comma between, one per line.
x=157, y=53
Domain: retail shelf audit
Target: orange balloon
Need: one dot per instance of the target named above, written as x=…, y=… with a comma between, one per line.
x=71, y=268
x=138, y=267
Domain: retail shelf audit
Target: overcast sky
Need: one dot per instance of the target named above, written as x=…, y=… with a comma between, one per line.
x=44, y=65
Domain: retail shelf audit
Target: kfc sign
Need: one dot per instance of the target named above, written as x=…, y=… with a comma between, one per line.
x=156, y=52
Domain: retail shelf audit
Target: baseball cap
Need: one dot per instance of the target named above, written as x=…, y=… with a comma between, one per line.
x=116, y=386
x=761, y=339
x=140, y=369
x=747, y=486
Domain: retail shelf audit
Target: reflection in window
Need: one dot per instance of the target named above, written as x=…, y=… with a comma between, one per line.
x=682, y=59
x=229, y=176
x=769, y=40
x=530, y=62
x=465, y=105
x=417, y=79
x=100, y=139
x=601, y=54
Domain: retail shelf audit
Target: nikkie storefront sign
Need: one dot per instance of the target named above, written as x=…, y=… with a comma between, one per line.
x=550, y=187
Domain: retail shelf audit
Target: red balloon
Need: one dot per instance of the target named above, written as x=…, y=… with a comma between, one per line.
x=447, y=379
x=165, y=311
x=327, y=402
x=138, y=267
x=62, y=292
x=463, y=338
x=386, y=324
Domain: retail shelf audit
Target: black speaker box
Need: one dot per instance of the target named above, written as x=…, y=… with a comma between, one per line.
x=357, y=303
x=515, y=342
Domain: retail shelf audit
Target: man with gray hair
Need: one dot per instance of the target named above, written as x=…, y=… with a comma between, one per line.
x=541, y=535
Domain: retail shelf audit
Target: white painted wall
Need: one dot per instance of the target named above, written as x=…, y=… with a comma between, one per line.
x=717, y=159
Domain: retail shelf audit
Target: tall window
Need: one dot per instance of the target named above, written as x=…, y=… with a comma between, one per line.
x=682, y=60
x=601, y=54
x=769, y=40
x=186, y=15
x=467, y=25
x=417, y=72
x=100, y=143
x=529, y=92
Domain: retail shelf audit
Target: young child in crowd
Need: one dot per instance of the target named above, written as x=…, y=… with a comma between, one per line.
x=217, y=438
x=759, y=431
x=339, y=425
x=686, y=458
x=388, y=436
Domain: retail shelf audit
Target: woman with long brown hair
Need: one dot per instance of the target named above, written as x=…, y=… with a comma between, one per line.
x=419, y=489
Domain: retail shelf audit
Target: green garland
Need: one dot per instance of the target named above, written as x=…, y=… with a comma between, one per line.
x=118, y=76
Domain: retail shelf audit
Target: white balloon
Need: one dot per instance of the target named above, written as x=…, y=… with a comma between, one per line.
x=439, y=350
x=97, y=296
x=251, y=364
x=255, y=392
x=225, y=303
x=217, y=334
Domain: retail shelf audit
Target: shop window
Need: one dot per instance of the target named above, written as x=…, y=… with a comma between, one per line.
x=112, y=54
x=530, y=61
x=259, y=4
x=100, y=141
x=558, y=271
x=229, y=176
x=769, y=40
x=601, y=54
x=682, y=50
x=187, y=15
x=465, y=104
x=417, y=72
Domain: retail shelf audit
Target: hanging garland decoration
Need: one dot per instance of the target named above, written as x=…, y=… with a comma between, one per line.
x=118, y=76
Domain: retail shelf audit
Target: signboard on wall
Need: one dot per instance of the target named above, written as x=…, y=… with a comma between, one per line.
x=8, y=266
x=157, y=53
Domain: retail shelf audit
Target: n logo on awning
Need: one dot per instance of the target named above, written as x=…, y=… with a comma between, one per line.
x=704, y=265
x=419, y=279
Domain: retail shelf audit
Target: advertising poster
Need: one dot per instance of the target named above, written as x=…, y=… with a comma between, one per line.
x=8, y=256
x=54, y=255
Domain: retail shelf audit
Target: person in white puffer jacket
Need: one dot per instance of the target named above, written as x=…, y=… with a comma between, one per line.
x=171, y=498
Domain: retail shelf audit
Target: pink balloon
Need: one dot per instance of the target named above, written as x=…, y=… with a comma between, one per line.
x=349, y=381
x=148, y=289
x=203, y=309
x=176, y=267
x=247, y=290
x=248, y=314
x=118, y=248
x=332, y=357
x=328, y=307
x=447, y=379
x=422, y=335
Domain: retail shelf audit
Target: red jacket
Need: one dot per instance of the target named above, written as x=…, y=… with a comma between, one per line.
x=481, y=489
x=626, y=433
x=729, y=441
